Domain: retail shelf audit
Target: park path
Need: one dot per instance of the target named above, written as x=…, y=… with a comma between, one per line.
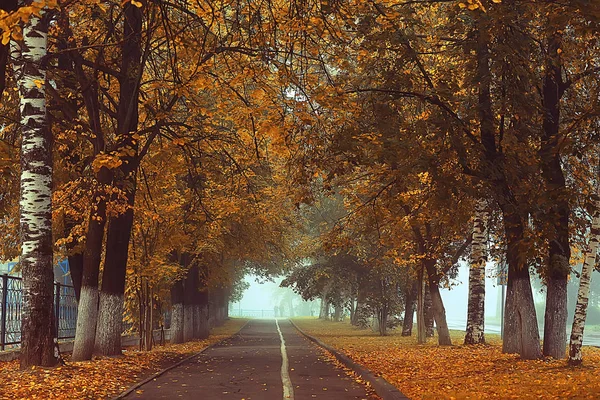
x=252, y=365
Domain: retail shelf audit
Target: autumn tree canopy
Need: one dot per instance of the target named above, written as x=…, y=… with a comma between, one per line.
x=362, y=148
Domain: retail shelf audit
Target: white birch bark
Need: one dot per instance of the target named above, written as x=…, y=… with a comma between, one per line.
x=188, y=322
x=109, y=320
x=177, y=323
x=575, y=355
x=476, y=307
x=36, y=196
x=85, y=330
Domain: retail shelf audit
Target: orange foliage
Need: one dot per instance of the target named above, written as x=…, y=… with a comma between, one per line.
x=459, y=372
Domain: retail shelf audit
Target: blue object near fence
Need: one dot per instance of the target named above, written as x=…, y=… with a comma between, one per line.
x=65, y=310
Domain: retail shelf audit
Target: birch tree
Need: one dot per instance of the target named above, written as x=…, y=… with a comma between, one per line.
x=583, y=296
x=476, y=307
x=37, y=333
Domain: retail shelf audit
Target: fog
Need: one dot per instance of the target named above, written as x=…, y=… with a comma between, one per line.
x=260, y=294
x=265, y=295
x=262, y=297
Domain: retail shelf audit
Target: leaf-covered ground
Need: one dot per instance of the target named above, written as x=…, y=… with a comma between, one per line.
x=459, y=372
x=103, y=377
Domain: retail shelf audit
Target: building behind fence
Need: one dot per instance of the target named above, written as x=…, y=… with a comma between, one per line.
x=65, y=311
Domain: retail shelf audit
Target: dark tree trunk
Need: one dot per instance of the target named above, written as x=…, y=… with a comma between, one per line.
x=358, y=310
x=521, y=334
x=337, y=313
x=203, y=329
x=421, y=324
x=382, y=318
x=91, y=257
x=221, y=305
x=110, y=317
x=409, y=310
x=428, y=309
x=557, y=234
x=325, y=304
x=177, y=310
x=439, y=313
x=76, y=270
x=87, y=310
x=437, y=305
x=190, y=298
x=8, y=6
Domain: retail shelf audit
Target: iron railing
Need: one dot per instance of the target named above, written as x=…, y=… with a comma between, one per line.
x=236, y=312
x=65, y=311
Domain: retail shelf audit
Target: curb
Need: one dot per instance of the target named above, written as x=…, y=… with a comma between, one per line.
x=177, y=364
x=383, y=388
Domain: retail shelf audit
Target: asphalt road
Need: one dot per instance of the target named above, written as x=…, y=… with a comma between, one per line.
x=267, y=359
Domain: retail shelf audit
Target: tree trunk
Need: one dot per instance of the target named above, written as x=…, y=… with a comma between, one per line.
x=575, y=356
x=409, y=309
x=352, y=309
x=110, y=314
x=421, y=329
x=37, y=313
x=203, y=329
x=428, y=312
x=87, y=309
x=148, y=326
x=437, y=305
x=177, y=305
x=439, y=313
x=337, y=313
x=110, y=317
x=521, y=333
x=324, y=312
x=382, y=318
x=557, y=234
x=202, y=299
x=190, y=296
x=222, y=301
x=476, y=307
x=75, y=261
x=360, y=303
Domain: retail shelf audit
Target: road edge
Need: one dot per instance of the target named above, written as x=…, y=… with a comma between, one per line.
x=162, y=371
x=383, y=388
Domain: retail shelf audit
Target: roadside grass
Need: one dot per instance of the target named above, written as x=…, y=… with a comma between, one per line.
x=430, y=371
x=103, y=377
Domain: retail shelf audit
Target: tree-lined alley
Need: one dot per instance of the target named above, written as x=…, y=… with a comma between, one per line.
x=360, y=148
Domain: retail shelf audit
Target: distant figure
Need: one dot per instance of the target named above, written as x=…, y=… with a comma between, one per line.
x=276, y=311
x=312, y=313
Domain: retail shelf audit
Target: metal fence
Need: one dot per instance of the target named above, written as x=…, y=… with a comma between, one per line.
x=65, y=311
x=236, y=312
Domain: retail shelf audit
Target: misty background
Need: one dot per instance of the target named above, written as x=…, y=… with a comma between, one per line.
x=264, y=298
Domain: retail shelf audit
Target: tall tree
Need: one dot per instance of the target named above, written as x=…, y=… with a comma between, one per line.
x=476, y=304
x=37, y=319
x=110, y=314
x=575, y=355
